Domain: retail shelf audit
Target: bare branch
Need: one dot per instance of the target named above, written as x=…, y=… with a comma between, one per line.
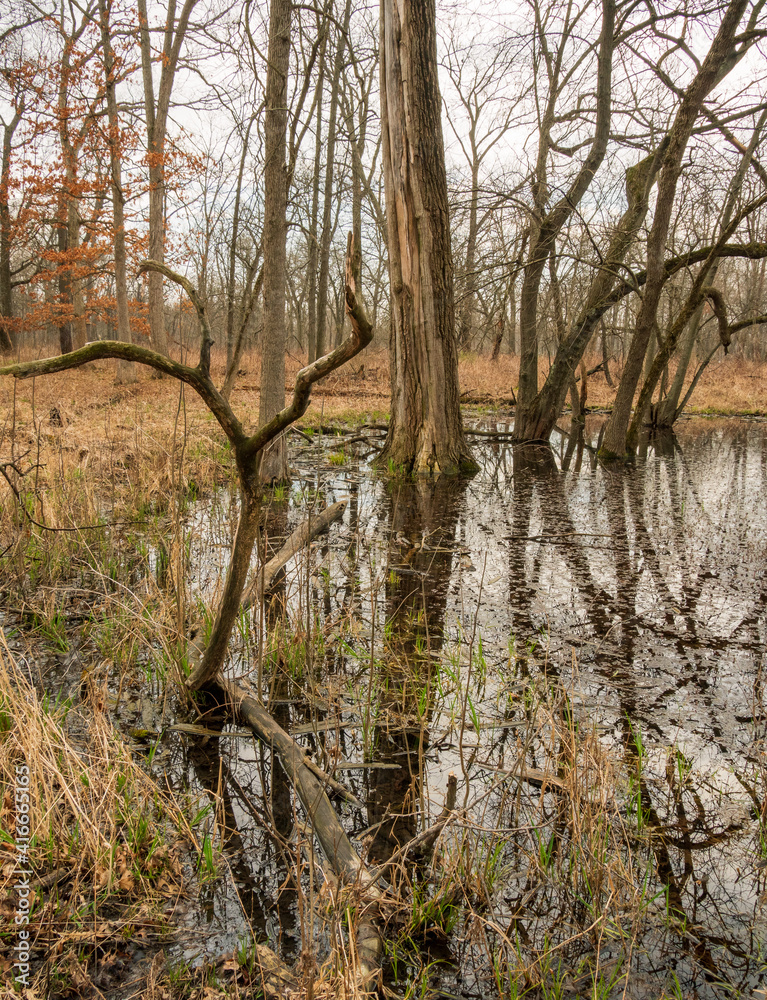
x=360, y=337
x=206, y=339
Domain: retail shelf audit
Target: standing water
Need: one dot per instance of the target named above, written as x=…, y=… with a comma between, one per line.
x=583, y=646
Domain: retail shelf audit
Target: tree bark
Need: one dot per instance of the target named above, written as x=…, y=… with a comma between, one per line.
x=126, y=370
x=616, y=440
x=274, y=464
x=425, y=429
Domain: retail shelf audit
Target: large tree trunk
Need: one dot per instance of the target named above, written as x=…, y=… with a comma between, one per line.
x=274, y=465
x=425, y=430
x=718, y=59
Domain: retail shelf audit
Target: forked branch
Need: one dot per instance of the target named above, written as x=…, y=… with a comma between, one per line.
x=360, y=337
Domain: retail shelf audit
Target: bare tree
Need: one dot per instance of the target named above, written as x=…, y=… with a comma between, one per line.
x=156, y=111
x=547, y=221
x=126, y=369
x=425, y=430
x=274, y=463
x=481, y=121
x=725, y=51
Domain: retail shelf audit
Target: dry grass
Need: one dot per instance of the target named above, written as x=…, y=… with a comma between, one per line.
x=731, y=385
x=105, y=839
x=563, y=861
x=133, y=420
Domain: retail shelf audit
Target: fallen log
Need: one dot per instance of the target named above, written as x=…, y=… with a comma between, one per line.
x=335, y=844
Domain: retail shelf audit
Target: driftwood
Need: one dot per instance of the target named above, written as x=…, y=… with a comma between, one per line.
x=336, y=846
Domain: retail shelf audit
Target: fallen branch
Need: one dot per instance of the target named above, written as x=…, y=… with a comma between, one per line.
x=299, y=539
x=336, y=846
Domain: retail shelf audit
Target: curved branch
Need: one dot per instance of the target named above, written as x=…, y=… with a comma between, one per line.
x=206, y=338
x=360, y=337
x=754, y=250
x=100, y=350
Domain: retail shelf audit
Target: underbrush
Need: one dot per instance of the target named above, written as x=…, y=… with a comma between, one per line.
x=105, y=841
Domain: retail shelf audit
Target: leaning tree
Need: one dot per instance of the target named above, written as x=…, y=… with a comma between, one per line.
x=244, y=586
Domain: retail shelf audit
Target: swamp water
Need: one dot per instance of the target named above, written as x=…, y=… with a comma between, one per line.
x=583, y=647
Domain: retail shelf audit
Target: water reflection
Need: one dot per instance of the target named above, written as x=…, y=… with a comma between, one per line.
x=421, y=520
x=641, y=590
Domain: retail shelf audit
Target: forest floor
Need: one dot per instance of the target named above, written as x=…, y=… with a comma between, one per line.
x=357, y=392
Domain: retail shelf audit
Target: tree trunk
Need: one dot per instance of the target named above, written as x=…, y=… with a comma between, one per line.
x=156, y=125
x=231, y=280
x=500, y=329
x=70, y=285
x=328, y=197
x=545, y=233
x=605, y=356
x=274, y=465
x=536, y=421
x=65, y=327
x=513, y=326
x=126, y=370
x=6, y=289
x=311, y=335
x=425, y=429
x=466, y=322
x=616, y=440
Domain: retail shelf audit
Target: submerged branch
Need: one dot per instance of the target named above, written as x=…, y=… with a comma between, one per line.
x=323, y=819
